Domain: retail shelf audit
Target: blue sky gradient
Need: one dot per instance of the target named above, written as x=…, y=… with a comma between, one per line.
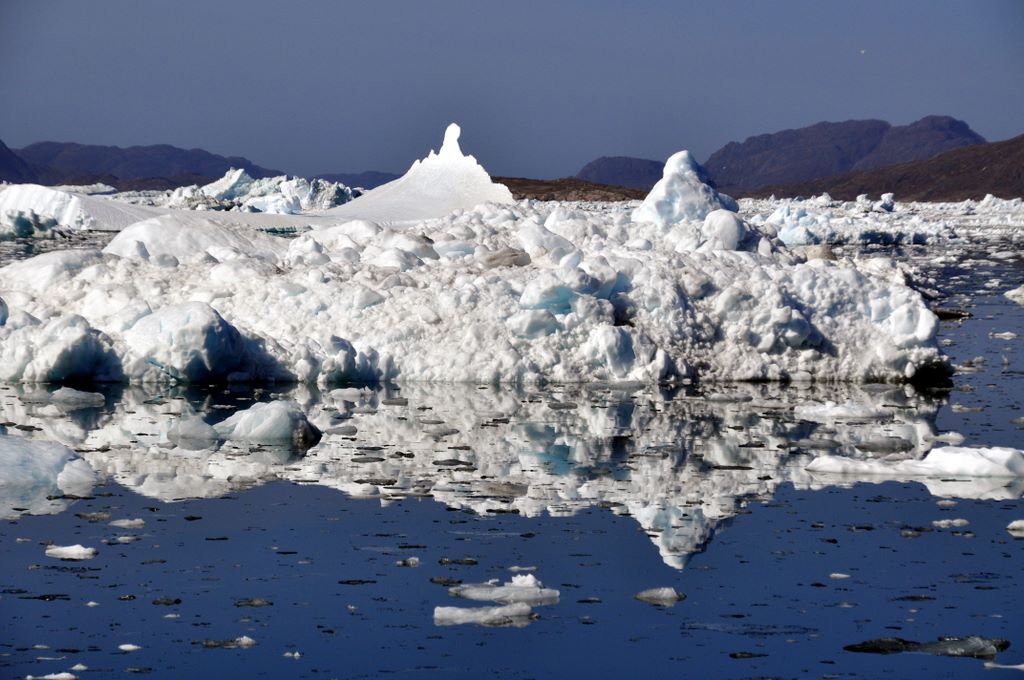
x=540, y=88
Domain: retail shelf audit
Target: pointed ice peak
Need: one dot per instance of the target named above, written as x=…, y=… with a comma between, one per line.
x=450, y=146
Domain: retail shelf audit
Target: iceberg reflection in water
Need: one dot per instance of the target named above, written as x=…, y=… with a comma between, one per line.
x=678, y=461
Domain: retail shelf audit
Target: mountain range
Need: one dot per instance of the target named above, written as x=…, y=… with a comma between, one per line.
x=839, y=158
x=820, y=150
x=970, y=172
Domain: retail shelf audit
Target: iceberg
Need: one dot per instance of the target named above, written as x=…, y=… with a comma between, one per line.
x=34, y=210
x=440, y=277
x=434, y=186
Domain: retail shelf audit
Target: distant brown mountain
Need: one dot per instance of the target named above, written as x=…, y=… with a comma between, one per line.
x=13, y=168
x=60, y=162
x=622, y=171
x=971, y=172
x=567, y=189
x=827, y=149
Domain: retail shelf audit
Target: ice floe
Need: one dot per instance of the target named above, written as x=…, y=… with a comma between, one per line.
x=70, y=552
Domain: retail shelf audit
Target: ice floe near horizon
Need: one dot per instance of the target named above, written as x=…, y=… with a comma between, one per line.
x=496, y=293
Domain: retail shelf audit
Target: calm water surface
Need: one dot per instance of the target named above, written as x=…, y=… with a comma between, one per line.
x=600, y=492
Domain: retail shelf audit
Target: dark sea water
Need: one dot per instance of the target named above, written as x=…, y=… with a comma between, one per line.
x=600, y=492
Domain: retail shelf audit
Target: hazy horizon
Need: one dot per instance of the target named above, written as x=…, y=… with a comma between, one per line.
x=539, y=91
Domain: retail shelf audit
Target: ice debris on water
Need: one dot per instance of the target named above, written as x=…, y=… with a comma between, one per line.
x=663, y=597
x=1016, y=528
x=129, y=647
x=70, y=552
x=523, y=588
x=973, y=646
x=510, y=615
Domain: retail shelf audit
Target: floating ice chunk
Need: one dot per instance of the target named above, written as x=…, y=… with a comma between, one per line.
x=946, y=461
x=128, y=523
x=523, y=588
x=72, y=399
x=129, y=647
x=189, y=342
x=950, y=523
x=680, y=195
x=517, y=615
x=1016, y=527
x=63, y=675
x=70, y=552
x=663, y=597
x=276, y=422
x=1017, y=295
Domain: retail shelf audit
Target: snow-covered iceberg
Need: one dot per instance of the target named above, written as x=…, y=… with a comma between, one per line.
x=434, y=186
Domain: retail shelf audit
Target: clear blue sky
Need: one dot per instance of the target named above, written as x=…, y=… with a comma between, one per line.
x=539, y=88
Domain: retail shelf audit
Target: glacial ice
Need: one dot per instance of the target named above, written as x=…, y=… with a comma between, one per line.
x=70, y=552
x=443, y=278
x=434, y=186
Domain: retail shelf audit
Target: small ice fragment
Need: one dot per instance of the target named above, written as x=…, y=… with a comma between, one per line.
x=293, y=655
x=245, y=641
x=516, y=568
x=946, y=503
x=129, y=647
x=53, y=676
x=409, y=562
x=128, y=523
x=949, y=523
x=92, y=603
x=663, y=597
x=71, y=552
x=1007, y=335
x=516, y=614
x=1016, y=527
x=79, y=667
x=837, y=576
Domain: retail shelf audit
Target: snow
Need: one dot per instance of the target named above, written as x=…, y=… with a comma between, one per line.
x=70, y=552
x=434, y=186
x=949, y=461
